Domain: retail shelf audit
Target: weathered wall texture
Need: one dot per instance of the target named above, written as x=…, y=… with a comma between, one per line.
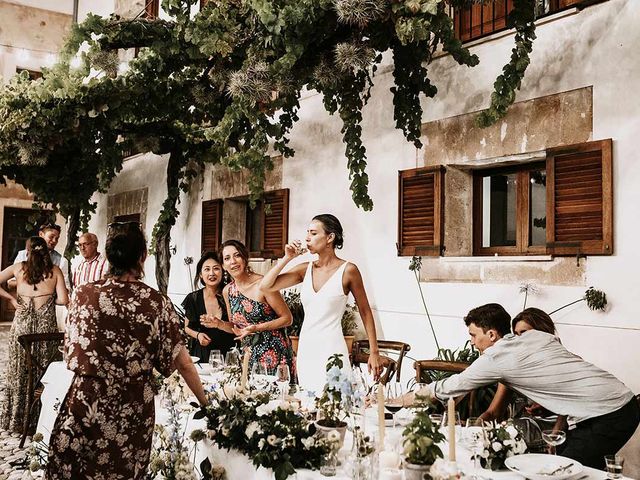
x=530, y=126
x=46, y=29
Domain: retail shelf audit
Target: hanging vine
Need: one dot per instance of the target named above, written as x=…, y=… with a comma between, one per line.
x=224, y=85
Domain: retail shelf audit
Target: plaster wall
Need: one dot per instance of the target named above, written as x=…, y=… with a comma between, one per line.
x=594, y=48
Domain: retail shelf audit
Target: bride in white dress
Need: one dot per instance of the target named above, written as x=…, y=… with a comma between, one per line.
x=326, y=284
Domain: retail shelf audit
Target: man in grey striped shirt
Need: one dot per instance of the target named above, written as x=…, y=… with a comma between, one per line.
x=602, y=408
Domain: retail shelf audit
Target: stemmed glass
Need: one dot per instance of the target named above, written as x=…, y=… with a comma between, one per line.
x=216, y=361
x=394, y=399
x=283, y=378
x=232, y=358
x=473, y=439
x=259, y=375
x=445, y=423
x=553, y=438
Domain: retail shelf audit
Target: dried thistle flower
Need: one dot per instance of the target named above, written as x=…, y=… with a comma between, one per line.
x=252, y=84
x=415, y=265
x=359, y=12
x=353, y=56
x=327, y=75
x=596, y=299
x=30, y=154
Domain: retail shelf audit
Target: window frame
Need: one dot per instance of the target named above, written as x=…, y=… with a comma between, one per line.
x=523, y=195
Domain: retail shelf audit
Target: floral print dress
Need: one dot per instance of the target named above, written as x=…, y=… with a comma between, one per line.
x=117, y=333
x=28, y=319
x=273, y=346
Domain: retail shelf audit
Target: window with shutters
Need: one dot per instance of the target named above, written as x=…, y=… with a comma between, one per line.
x=421, y=211
x=480, y=19
x=211, y=226
x=151, y=9
x=267, y=225
x=562, y=206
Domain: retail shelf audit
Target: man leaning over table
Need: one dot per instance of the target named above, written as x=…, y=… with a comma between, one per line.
x=602, y=412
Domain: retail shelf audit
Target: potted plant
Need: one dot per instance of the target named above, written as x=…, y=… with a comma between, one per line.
x=420, y=442
x=334, y=405
x=349, y=325
x=292, y=298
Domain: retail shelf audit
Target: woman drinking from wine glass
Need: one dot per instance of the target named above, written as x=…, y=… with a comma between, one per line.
x=326, y=284
x=258, y=319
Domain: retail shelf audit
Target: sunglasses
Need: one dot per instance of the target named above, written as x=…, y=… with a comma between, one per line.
x=50, y=226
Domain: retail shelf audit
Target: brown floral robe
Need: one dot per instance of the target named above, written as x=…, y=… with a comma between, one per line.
x=117, y=332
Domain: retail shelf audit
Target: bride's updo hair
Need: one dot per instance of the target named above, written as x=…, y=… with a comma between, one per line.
x=38, y=266
x=126, y=248
x=332, y=225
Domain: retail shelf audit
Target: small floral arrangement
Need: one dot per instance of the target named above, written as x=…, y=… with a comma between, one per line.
x=421, y=437
x=338, y=397
x=37, y=452
x=501, y=441
x=362, y=443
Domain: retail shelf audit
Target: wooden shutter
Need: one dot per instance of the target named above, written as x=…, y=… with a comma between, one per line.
x=211, y=225
x=275, y=223
x=151, y=9
x=580, y=199
x=421, y=211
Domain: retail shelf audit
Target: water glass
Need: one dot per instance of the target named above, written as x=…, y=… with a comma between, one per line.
x=259, y=376
x=473, y=439
x=329, y=464
x=283, y=378
x=553, y=438
x=216, y=361
x=436, y=419
x=232, y=358
x=614, y=464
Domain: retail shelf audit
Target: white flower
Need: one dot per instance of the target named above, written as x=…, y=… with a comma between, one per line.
x=308, y=442
x=512, y=431
x=95, y=37
x=263, y=410
x=84, y=48
x=252, y=429
x=272, y=440
x=225, y=431
x=497, y=446
x=333, y=436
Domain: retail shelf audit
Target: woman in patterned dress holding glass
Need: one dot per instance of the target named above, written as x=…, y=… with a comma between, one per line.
x=252, y=312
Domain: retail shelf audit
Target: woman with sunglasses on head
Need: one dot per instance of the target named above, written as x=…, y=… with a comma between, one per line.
x=326, y=284
x=207, y=301
x=118, y=330
x=252, y=312
x=39, y=286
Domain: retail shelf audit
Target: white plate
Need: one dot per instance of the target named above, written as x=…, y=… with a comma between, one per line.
x=195, y=359
x=538, y=466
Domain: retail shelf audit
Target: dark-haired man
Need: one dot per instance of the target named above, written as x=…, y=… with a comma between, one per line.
x=51, y=234
x=603, y=412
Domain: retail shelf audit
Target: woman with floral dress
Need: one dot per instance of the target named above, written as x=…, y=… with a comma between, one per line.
x=252, y=312
x=118, y=331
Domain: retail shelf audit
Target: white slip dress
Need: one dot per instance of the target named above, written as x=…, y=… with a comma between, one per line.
x=321, y=334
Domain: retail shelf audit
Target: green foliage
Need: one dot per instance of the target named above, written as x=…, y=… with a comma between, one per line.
x=222, y=87
x=421, y=437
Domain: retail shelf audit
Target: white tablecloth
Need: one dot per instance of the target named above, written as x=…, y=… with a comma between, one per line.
x=57, y=380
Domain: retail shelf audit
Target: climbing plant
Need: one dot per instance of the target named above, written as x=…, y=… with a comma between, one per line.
x=223, y=86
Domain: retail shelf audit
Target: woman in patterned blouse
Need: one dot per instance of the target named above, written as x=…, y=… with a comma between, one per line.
x=252, y=312
x=118, y=331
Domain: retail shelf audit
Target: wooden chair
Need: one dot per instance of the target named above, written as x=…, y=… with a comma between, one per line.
x=389, y=365
x=386, y=347
x=36, y=367
x=422, y=366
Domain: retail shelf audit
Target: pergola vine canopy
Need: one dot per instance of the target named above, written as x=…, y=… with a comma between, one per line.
x=223, y=86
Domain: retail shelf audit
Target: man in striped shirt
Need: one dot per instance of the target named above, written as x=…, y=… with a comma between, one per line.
x=94, y=265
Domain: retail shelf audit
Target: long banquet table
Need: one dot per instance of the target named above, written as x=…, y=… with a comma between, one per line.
x=238, y=466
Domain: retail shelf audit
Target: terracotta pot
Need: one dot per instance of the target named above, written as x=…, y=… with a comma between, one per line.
x=324, y=431
x=349, y=341
x=294, y=343
x=413, y=471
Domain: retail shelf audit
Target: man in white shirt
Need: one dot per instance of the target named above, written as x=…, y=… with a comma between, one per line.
x=51, y=234
x=94, y=265
x=604, y=411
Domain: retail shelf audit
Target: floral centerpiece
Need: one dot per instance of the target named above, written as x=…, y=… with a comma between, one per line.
x=501, y=441
x=420, y=441
x=338, y=397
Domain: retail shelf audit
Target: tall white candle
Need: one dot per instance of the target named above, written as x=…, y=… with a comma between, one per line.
x=245, y=368
x=380, y=399
x=451, y=424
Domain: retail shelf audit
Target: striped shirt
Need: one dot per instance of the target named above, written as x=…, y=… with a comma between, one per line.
x=89, y=271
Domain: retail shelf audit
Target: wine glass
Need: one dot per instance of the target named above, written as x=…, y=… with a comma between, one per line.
x=553, y=438
x=259, y=375
x=283, y=378
x=445, y=423
x=216, y=361
x=394, y=399
x=473, y=439
x=232, y=358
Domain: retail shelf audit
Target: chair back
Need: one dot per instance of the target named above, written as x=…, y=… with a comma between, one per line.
x=387, y=348
x=389, y=365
